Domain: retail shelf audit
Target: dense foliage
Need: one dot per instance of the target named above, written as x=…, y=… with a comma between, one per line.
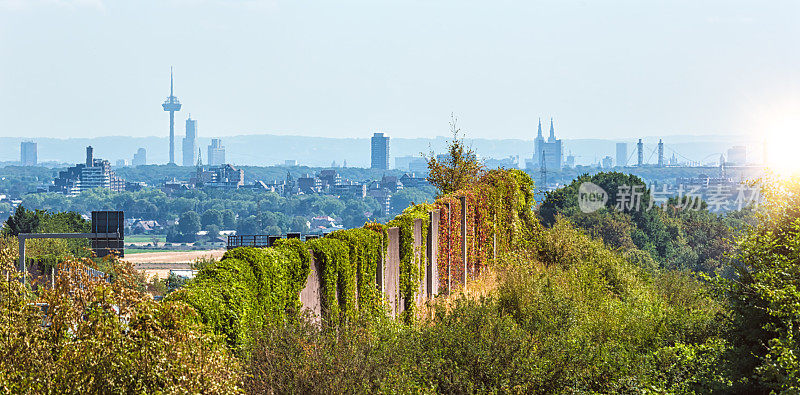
x=98, y=337
x=667, y=236
x=602, y=302
x=43, y=254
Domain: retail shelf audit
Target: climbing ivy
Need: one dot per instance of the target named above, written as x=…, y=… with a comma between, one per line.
x=365, y=257
x=298, y=265
x=410, y=260
x=338, y=279
x=246, y=289
x=499, y=219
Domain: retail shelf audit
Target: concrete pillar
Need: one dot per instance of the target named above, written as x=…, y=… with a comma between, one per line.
x=432, y=251
x=419, y=260
x=392, y=272
x=311, y=295
x=463, y=239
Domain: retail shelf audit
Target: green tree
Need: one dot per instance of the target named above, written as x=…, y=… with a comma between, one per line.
x=299, y=224
x=211, y=217
x=458, y=168
x=189, y=223
x=23, y=221
x=228, y=219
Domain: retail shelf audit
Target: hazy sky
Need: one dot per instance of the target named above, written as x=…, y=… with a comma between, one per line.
x=348, y=68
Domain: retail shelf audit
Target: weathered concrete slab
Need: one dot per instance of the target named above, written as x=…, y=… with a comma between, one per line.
x=420, y=260
x=392, y=273
x=311, y=295
x=432, y=252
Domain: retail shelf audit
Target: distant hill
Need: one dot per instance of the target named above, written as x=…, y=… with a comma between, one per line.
x=266, y=149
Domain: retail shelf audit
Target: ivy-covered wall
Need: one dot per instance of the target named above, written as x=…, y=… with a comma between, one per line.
x=499, y=217
x=249, y=288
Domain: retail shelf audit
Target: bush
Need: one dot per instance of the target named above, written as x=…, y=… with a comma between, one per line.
x=98, y=337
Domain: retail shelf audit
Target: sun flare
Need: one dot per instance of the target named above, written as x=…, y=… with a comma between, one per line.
x=783, y=146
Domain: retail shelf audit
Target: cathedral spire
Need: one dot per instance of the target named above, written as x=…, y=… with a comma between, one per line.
x=552, y=131
x=540, y=128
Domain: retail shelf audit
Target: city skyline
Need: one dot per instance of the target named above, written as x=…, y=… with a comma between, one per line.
x=705, y=67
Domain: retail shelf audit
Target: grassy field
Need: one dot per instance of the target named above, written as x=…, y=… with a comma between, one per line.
x=144, y=238
x=145, y=250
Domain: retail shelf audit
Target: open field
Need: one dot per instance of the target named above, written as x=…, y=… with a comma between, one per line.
x=144, y=239
x=160, y=263
x=148, y=250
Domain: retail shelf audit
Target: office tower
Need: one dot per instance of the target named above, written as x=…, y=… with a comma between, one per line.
x=216, y=153
x=622, y=154
x=608, y=162
x=639, y=153
x=171, y=104
x=27, y=153
x=190, y=143
x=660, y=153
x=380, y=151
x=139, y=158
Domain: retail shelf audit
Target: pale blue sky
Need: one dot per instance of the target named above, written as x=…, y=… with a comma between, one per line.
x=602, y=68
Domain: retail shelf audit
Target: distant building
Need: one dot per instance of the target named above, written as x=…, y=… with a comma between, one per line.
x=418, y=165
x=139, y=158
x=570, y=162
x=216, y=153
x=221, y=177
x=190, y=143
x=95, y=173
x=547, y=154
x=324, y=222
x=122, y=162
x=383, y=196
x=512, y=162
x=349, y=189
x=737, y=155
x=28, y=153
x=309, y=184
x=639, y=153
x=380, y=151
x=329, y=178
x=608, y=162
x=552, y=151
x=409, y=180
x=402, y=162
x=292, y=162
x=622, y=154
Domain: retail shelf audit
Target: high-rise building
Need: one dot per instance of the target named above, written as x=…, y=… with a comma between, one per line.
x=216, y=153
x=737, y=155
x=172, y=104
x=190, y=143
x=622, y=154
x=27, y=153
x=639, y=153
x=608, y=162
x=380, y=151
x=95, y=173
x=139, y=158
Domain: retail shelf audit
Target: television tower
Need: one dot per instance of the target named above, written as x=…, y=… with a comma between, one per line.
x=172, y=104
